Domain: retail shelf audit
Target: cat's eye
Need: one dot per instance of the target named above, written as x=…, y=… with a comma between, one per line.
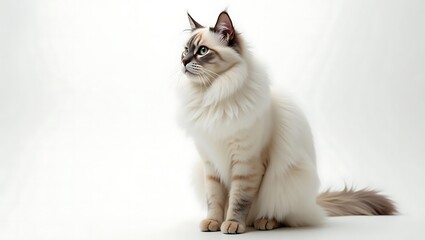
x=186, y=51
x=203, y=50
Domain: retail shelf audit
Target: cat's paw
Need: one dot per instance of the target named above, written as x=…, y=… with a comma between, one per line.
x=265, y=224
x=209, y=225
x=232, y=227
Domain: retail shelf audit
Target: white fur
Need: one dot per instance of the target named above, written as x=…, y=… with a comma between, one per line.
x=238, y=117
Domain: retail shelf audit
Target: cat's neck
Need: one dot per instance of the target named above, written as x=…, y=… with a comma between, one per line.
x=234, y=100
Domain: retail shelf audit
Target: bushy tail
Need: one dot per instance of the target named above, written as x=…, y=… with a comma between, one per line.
x=355, y=202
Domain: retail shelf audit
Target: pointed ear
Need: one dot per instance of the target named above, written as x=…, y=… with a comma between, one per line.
x=193, y=24
x=224, y=27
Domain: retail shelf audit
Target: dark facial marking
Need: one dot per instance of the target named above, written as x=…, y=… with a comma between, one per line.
x=207, y=58
x=191, y=43
x=191, y=47
x=188, y=58
x=218, y=54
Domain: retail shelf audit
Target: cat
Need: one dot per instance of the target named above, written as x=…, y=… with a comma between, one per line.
x=258, y=157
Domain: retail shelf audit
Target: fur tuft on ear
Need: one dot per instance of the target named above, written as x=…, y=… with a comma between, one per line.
x=224, y=27
x=193, y=24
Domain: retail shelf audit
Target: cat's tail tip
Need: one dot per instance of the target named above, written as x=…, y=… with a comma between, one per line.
x=355, y=202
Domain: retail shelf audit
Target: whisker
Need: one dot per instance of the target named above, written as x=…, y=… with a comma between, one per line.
x=204, y=76
x=204, y=82
x=178, y=76
x=210, y=75
x=201, y=78
x=207, y=81
x=210, y=71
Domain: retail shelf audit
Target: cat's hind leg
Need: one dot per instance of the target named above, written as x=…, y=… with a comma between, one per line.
x=266, y=224
x=288, y=198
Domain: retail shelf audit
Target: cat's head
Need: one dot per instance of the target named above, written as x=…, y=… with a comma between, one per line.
x=210, y=52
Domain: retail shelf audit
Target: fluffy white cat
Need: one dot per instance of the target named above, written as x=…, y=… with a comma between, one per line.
x=256, y=147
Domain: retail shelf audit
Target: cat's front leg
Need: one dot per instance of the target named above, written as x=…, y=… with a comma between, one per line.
x=246, y=179
x=216, y=196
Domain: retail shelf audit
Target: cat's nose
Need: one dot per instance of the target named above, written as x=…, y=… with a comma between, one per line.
x=185, y=61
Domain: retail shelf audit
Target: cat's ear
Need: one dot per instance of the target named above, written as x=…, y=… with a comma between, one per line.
x=193, y=24
x=224, y=27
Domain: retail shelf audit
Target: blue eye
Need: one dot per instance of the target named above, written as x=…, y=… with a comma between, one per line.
x=203, y=50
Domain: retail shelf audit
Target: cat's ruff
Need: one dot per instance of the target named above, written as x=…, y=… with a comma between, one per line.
x=256, y=146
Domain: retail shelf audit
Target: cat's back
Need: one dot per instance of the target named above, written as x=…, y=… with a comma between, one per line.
x=291, y=131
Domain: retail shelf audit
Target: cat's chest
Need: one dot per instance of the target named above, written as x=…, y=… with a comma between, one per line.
x=243, y=146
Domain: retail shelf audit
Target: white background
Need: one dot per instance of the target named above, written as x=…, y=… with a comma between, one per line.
x=89, y=147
